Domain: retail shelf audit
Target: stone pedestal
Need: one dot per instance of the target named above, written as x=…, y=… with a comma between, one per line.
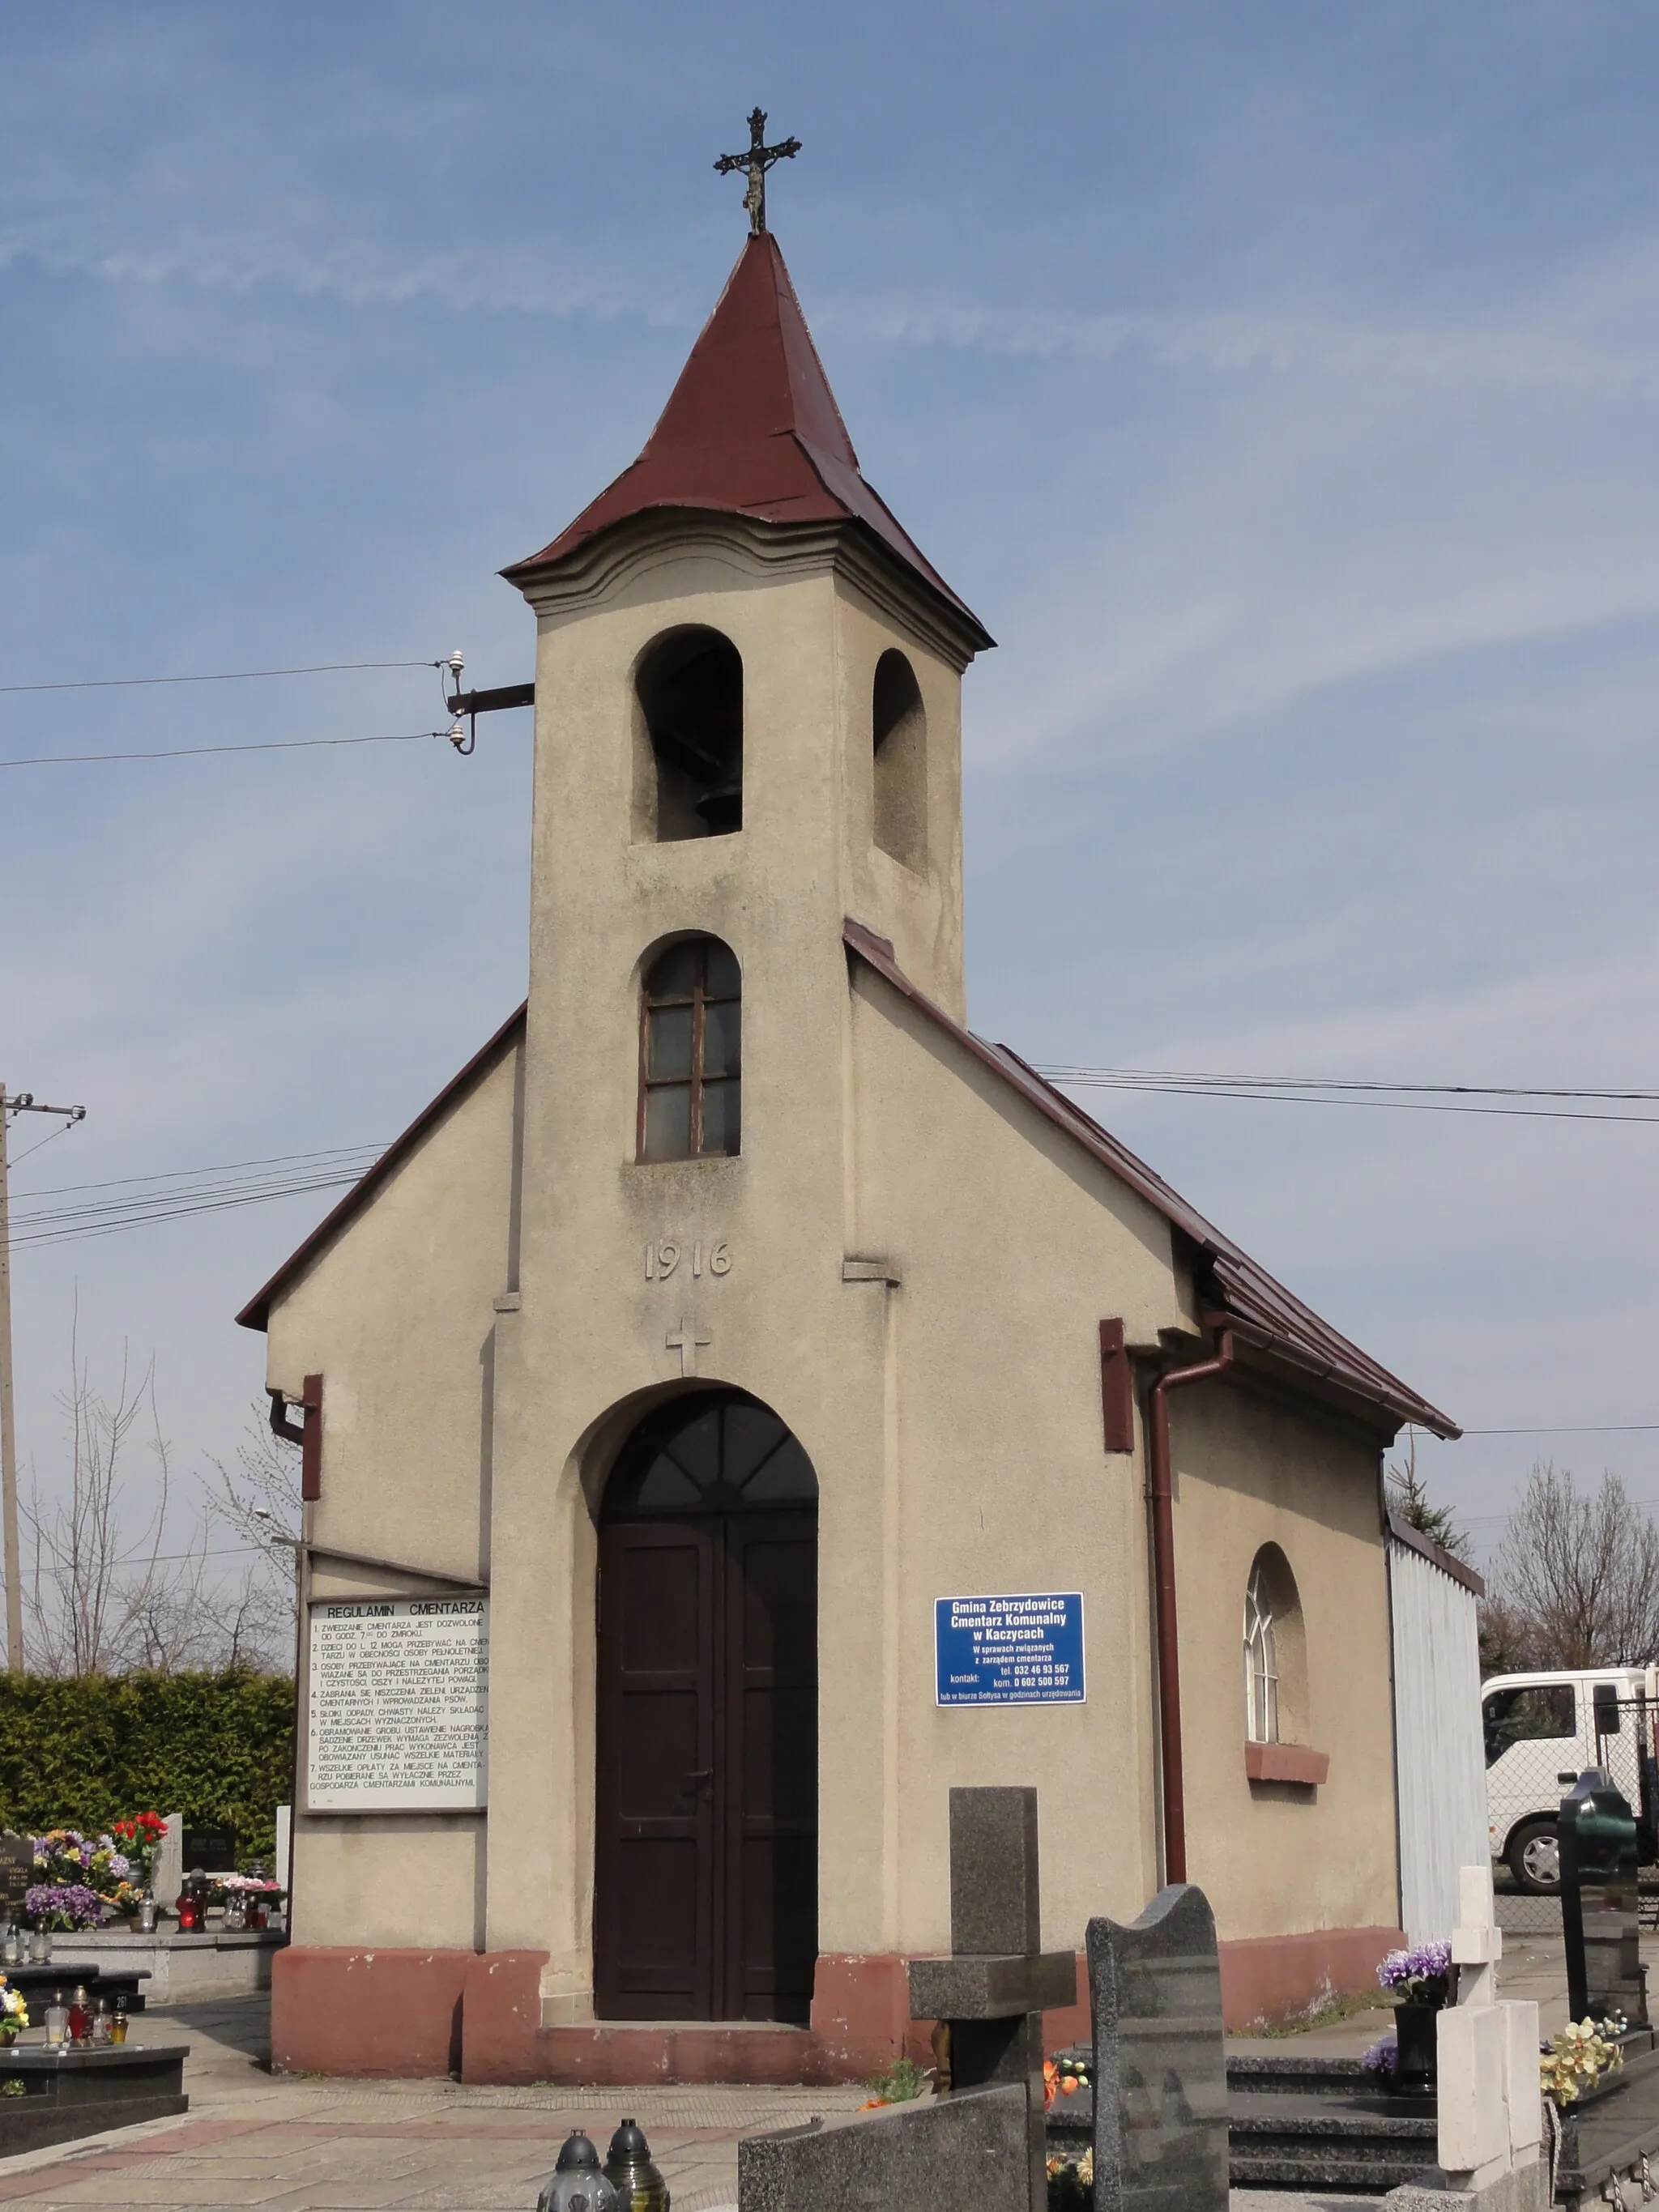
x=83, y=2092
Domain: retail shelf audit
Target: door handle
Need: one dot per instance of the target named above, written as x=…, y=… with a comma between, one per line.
x=689, y=1786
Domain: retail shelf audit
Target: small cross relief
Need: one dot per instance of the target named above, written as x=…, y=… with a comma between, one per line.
x=685, y=1341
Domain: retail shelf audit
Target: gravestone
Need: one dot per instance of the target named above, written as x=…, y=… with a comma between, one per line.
x=168, y=1874
x=994, y=1988
x=17, y=1875
x=963, y=2153
x=1599, y=1901
x=1489, y=2118
x=212, y=1850
x=1160, y=2079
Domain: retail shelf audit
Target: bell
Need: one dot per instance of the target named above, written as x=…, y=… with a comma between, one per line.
x=629, y=2168
x=721, y=805
x=576, y=2183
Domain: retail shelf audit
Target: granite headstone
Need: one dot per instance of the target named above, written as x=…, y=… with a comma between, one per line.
x=1160, y=2061
x=994, y=1988
x=963, y=2153
x=17, y=1875
x=1599, y=1901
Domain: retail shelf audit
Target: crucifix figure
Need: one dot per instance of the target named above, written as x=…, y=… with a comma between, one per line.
x=685, y=1341
x=757, y=161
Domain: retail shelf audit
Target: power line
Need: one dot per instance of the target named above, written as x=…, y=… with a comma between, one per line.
x=221, y=1167
x=1574, y=1429
x=1316, y=1092
x=74, y=1224
x=234, y=676
x=188, y=752
x=1197, y=1078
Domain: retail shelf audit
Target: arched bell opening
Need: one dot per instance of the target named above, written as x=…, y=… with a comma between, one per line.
x=705, y=1835
x=688, y=736
x=899, y=731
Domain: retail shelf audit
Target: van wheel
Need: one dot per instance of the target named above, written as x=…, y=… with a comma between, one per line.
x=1535, y=1858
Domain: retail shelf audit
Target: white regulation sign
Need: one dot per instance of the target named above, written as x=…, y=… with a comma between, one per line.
x=399, y=1704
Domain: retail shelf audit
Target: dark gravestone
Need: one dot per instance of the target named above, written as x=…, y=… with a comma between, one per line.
x=84, y=2093
x=1160, y=2063
x=994, y=1988
x=212, y=1850
x=1599, y=1901
x=968, y=2152
x=17, y=1875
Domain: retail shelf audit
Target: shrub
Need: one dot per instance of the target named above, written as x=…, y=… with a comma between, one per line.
x=85, y=1751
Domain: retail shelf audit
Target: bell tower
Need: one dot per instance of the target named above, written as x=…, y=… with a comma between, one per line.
x=748, y=685
x=747, y=672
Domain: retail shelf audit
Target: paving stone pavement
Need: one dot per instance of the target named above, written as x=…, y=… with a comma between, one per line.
x=308, y=2145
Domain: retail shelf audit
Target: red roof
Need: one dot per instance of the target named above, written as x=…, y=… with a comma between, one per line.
x=752, y=428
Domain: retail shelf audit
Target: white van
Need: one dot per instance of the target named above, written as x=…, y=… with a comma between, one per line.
x=1542, y=1731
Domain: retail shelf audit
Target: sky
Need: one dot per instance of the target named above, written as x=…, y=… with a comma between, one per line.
x=1278, y=380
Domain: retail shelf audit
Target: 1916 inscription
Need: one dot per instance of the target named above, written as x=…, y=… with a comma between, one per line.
x=664, y=1258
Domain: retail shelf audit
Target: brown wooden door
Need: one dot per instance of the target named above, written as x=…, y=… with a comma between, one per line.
x=653, y=1908
x=771, y=1795
x=706, y=1861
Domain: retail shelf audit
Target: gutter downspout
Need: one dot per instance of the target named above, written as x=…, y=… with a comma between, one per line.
x=1163, y=1587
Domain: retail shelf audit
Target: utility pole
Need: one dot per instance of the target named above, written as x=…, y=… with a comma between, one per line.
x=23, y=1103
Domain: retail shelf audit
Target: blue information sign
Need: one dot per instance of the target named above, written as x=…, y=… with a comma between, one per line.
x=1009, y=1650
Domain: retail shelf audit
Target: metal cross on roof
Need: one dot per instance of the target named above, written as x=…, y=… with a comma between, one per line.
x=757, y=161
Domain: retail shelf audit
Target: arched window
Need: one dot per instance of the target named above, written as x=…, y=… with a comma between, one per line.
x=1275, y=1653
x=688, y=768
x=900, y=732
x=1261, y=1660
x=691, y=1052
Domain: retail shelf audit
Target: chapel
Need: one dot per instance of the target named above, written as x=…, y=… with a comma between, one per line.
x=746, y=1402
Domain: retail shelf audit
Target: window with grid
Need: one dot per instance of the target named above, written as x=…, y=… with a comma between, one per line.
x=691, y=1053
x=1261, y=1660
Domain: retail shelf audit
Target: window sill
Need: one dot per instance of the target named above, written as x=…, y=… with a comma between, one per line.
x=1286, y=1762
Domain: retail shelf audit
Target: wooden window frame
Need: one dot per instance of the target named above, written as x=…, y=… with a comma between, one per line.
x=700, y=998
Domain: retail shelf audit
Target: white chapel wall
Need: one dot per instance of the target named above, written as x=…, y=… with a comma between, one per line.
x=397, y=1316
x=1011, y=1244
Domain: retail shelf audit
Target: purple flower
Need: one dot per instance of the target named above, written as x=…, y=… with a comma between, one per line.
x=63, y=1904
x=1429, y=1962
x=1382, y=2056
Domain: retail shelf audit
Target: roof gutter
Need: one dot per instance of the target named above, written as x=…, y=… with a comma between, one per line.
x=1164, y=1591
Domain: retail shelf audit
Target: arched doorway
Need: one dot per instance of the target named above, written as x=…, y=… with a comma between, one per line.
x=705, y=1904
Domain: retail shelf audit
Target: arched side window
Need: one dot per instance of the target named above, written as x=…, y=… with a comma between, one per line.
x=691, y=1052
x=900, y=732
x=1261, y=1662
x=1275, y=1652
x=687, y=764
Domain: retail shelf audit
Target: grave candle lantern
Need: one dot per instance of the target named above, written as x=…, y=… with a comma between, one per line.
x=631, y=2172
x=576, y=2183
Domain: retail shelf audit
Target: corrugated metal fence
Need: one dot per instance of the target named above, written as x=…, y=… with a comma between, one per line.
x=1438, y=1749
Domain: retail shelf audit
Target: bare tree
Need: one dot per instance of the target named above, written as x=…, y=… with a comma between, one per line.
x=1577, y=1582
x=257, y=1500
x=100, y=1597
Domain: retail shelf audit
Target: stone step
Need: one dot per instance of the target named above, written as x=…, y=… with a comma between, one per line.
x=1279, y=2140
x=1286, y=2074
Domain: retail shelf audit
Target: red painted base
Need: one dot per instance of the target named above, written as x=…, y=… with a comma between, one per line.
x=412, y=2013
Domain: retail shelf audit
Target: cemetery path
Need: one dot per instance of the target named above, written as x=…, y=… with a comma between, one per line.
x=304, y=2144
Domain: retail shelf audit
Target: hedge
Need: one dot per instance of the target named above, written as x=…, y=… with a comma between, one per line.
x=82, y=1753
